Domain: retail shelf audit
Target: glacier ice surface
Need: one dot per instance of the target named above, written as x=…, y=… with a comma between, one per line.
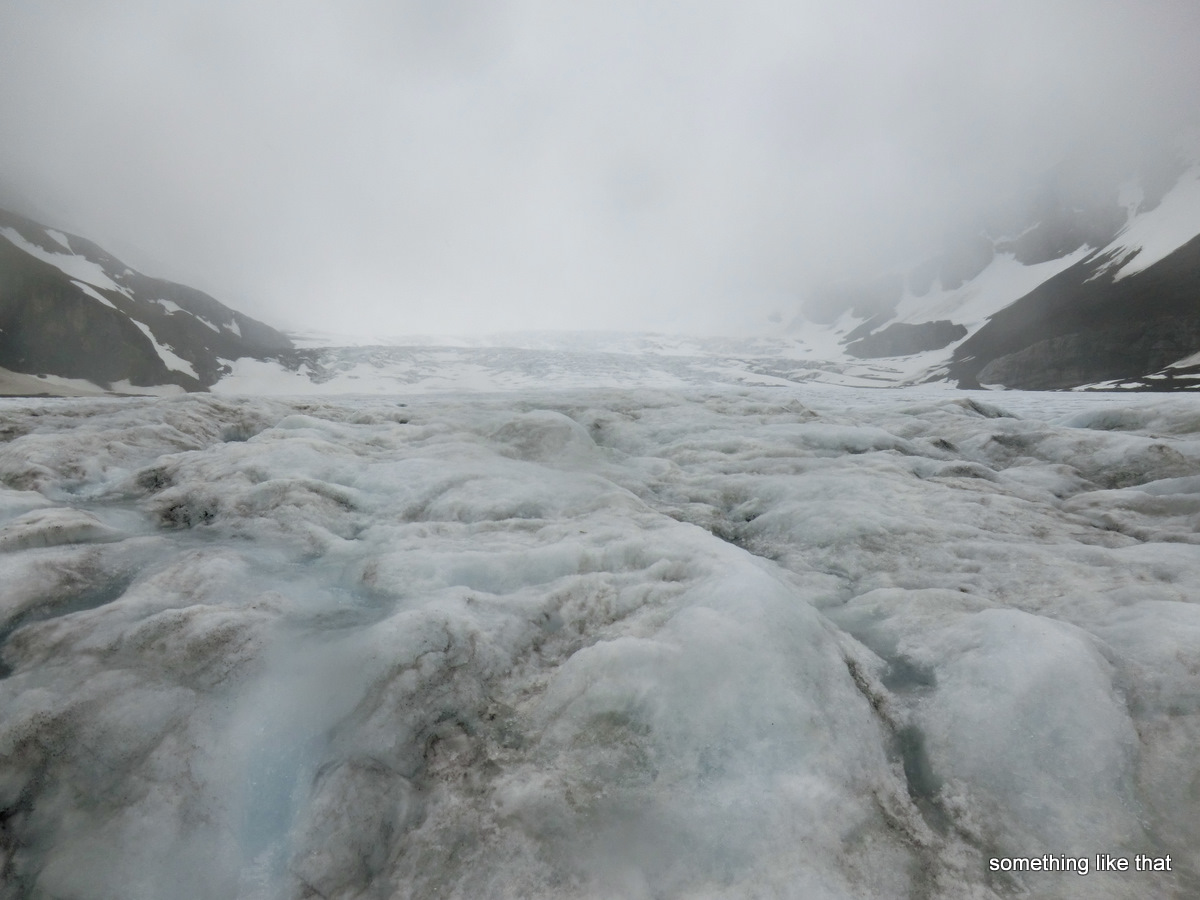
x=741, y=642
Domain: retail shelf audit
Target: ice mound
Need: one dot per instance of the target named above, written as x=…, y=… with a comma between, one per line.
x=53, y=527
x=1025, y=727
x=746, y=643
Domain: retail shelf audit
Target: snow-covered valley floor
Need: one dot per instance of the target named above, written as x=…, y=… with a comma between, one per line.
x=730, y=643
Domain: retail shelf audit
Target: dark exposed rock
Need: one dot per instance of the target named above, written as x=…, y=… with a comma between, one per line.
x=51, y=325
x=867, y=327
x=1089, y=357
x=1082, y=327
x=903, y=339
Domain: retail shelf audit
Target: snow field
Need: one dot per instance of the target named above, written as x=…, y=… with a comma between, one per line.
x=637, y=643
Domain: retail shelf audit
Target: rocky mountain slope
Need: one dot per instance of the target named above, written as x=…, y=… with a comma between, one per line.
x=1094, y=283
x=75, y=317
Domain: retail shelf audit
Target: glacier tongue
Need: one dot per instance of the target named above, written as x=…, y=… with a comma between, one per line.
x=597, y=643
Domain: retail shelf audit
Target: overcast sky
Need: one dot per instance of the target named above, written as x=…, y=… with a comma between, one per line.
x=404, y=166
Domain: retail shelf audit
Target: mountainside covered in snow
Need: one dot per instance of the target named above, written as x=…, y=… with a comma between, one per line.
x=1096, y=282
x=76, y=318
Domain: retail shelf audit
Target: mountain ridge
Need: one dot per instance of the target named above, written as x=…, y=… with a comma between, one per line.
x=1098, y=290
x=71, y=310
